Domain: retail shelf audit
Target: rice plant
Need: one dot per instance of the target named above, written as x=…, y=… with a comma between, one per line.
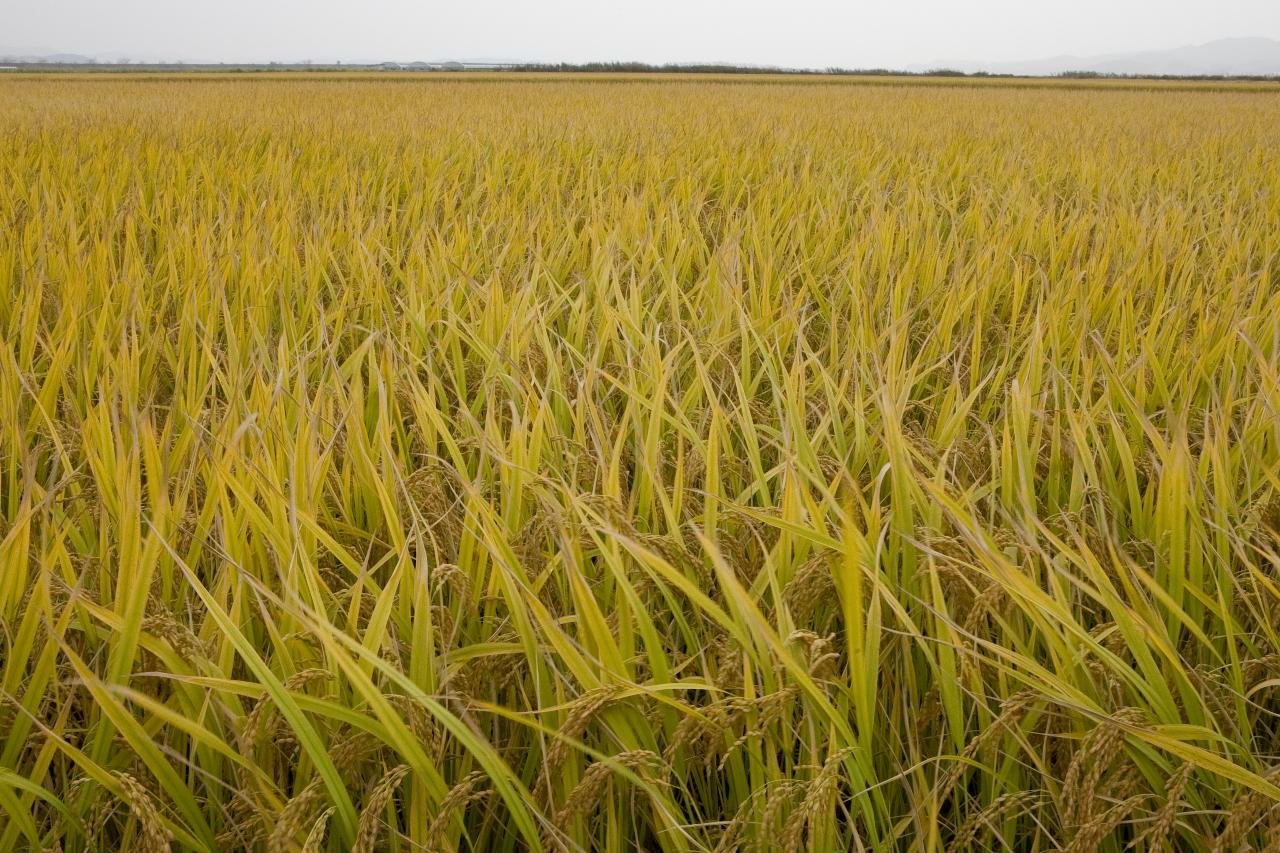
x=546, y=464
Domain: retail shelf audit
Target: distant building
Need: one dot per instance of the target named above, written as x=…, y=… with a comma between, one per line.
x=8, y=68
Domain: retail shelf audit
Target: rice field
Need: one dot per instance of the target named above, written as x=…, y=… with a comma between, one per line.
x=505, y=464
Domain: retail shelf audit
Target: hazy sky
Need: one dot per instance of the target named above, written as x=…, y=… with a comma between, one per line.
x=814, y=33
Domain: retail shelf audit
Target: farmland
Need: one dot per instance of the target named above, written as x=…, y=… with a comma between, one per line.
x=495, y=463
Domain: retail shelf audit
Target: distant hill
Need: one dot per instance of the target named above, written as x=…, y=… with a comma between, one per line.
x=51, y=58
x=1232, y=57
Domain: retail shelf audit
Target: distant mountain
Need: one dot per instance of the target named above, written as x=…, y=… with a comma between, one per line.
x=1226, y=57
x=29, y=54
x=52, y=58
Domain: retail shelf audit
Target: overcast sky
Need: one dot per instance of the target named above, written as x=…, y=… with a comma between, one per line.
x=805, y=33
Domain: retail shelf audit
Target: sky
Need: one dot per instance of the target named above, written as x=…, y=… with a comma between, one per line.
x=791, y=33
